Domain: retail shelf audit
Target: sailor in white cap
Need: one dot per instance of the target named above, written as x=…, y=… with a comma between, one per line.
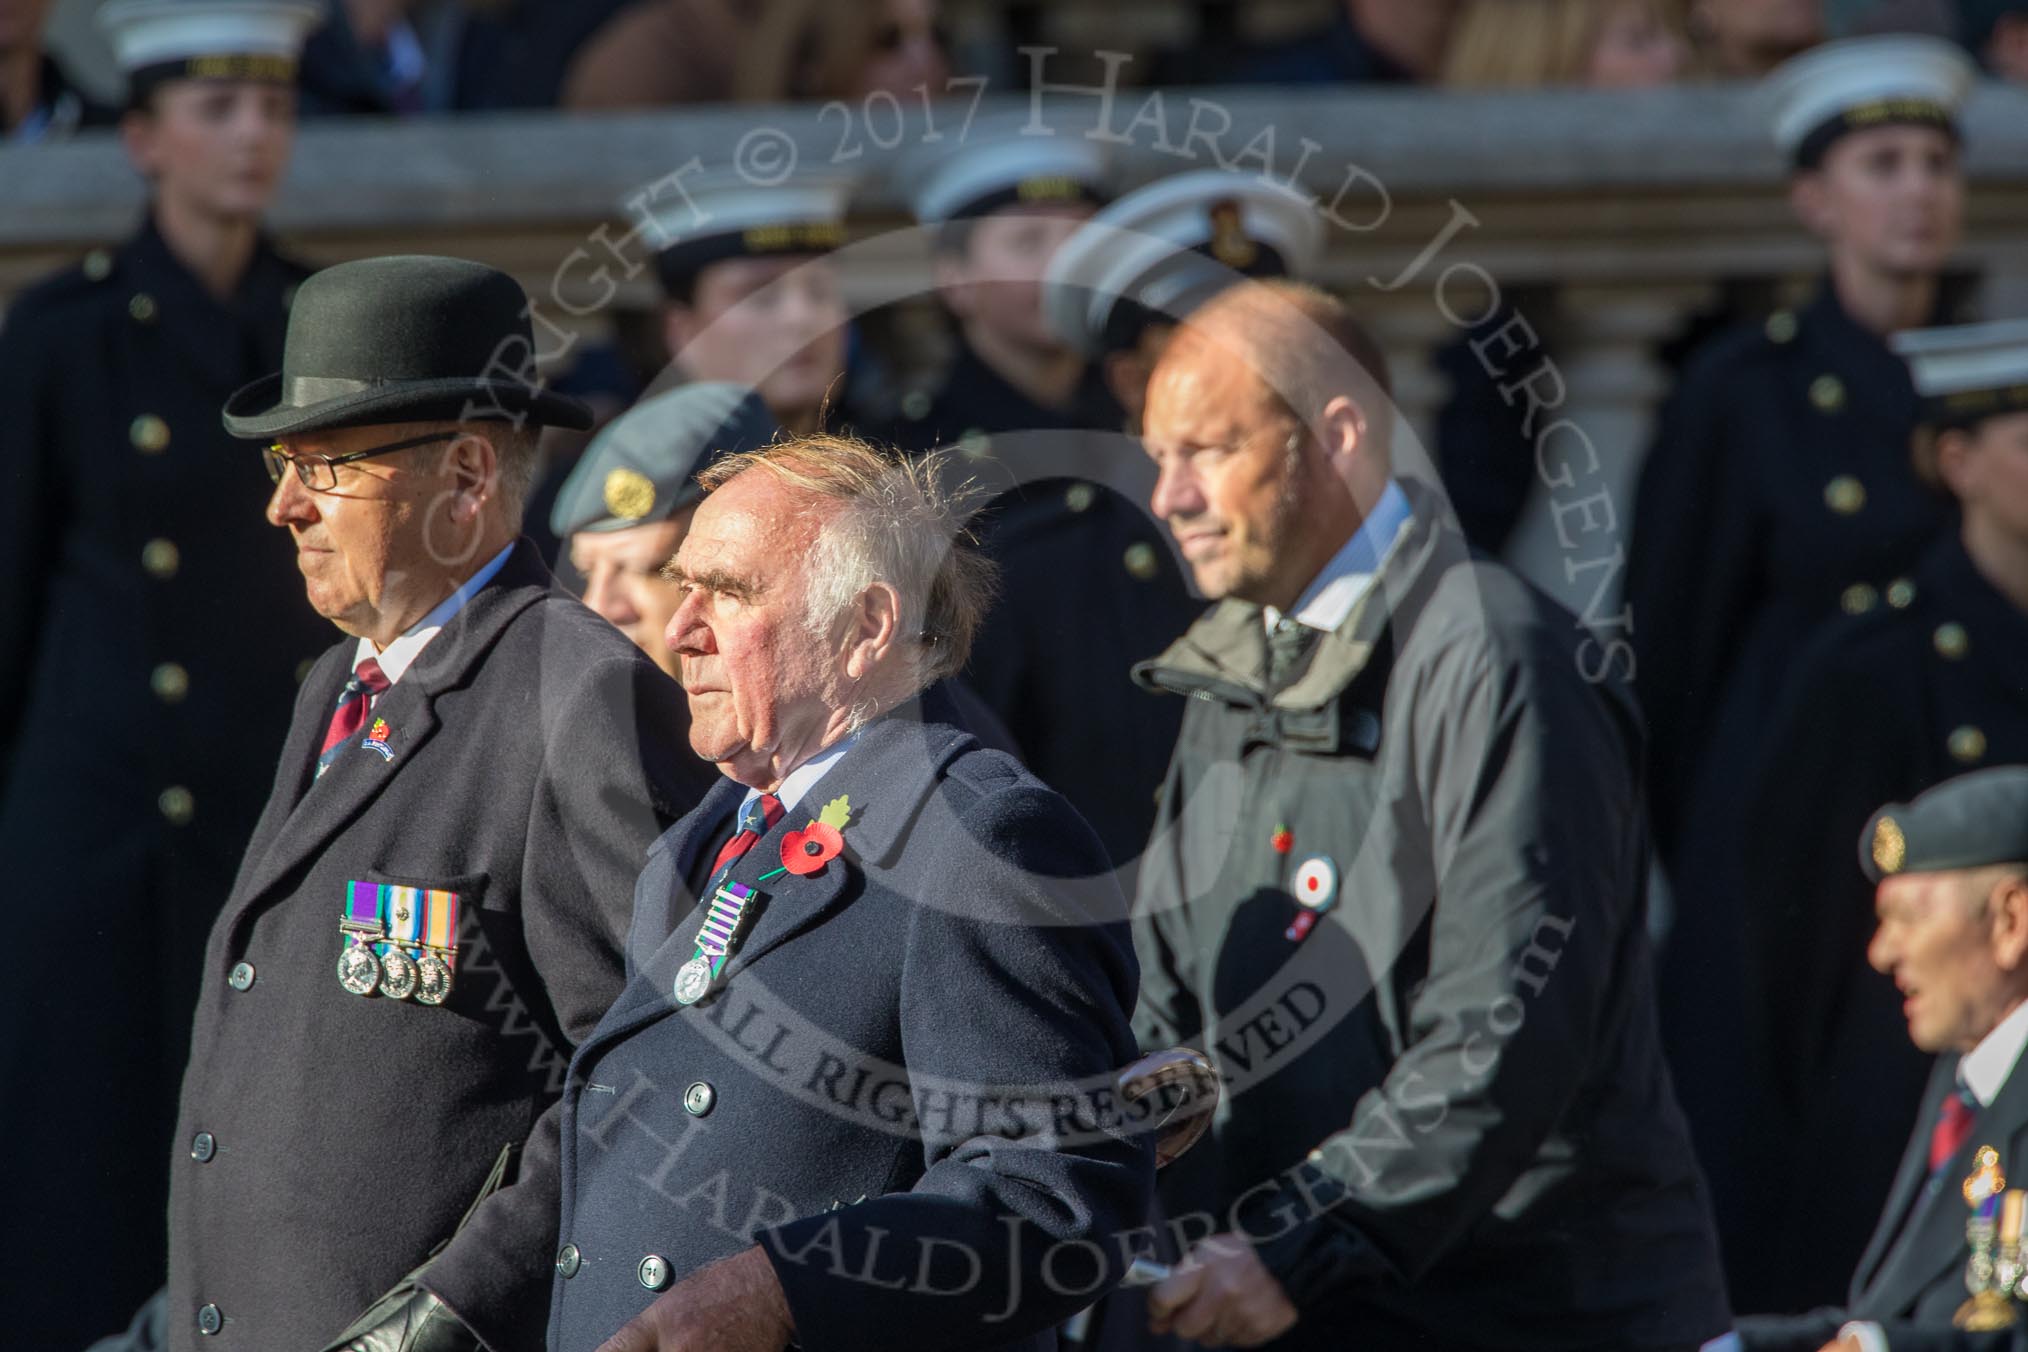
x=1882, y=707
x=998, y=204
x=137, y=743
x=1118, y=287
x=749, y=293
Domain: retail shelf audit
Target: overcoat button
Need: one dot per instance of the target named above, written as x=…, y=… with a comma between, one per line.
x=1142, y=561
x=142, y=308
x=1858, y=598
x=1827, y=392
x=1951, y=640
x=1968, y=744
x=1781, y=326
x=170, y=682
x=209, y=1320
x=699, y=1099
x=568, y=1261
x=161, y=558
x=1844, y=495
x=98, y=265
x=176, y=804
x=242, y=977
x=1901, y=593
x=202, y=1147
x=1080, y=497
x=654, y=1272
x=149, y=434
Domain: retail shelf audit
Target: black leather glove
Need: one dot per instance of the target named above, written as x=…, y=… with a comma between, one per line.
x=408, y=1319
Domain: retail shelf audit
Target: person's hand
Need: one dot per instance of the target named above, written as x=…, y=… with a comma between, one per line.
x=736, y=1305
x=1221, y=1295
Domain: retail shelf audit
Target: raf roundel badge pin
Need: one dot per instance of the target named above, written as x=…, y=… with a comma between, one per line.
x=1314, y=885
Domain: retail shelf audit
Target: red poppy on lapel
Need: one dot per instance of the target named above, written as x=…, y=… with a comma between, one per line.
x=807, y=850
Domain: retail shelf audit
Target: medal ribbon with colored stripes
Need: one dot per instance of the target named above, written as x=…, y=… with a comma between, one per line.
x=716, y=940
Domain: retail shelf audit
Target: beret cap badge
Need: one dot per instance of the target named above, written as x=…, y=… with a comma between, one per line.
x=1889, y=846
x=629, y=494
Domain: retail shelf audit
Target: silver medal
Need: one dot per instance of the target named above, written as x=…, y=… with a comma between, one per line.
x=432, y=979
x=358, y=969
x=397, y=975
x=693, y=981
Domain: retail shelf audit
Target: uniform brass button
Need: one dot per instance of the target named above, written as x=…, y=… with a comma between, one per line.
x=1844, y=495
x=142, y=308
x=1951, y=640
x=915, y=405
x=1901, y=593
x=161, y=558
x=1967, y=744
x=98, y=265
x=1859, y=598
x=1827, y=393
x=149, y=434
x=203, y=1146
x=170, y=682
x=1080, y=497
x=654, y=1272
x=242, y=977
x=1781, y=326
x=975, y=442
x=699, y=1099
x=568, y=1261
x=209, y=1320
x=1142, y=561
x=176, y=805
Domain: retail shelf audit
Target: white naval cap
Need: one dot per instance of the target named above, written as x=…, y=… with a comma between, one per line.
x=699, y=219
x=1965, y=372
x=1851, y=85
x=214, y=39
x=1162, y=250
x=1002, y=161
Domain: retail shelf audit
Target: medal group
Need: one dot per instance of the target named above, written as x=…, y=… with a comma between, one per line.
x=399, y=941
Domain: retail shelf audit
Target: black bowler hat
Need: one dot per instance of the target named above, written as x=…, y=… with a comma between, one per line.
x=408, y=338
x=1971, y=821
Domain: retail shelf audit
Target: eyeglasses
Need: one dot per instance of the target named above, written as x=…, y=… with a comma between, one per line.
x=319, y=473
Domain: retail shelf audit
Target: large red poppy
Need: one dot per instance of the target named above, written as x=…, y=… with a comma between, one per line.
x=807, y=850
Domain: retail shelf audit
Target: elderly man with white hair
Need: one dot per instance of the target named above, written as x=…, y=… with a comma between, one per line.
x=861, y=1079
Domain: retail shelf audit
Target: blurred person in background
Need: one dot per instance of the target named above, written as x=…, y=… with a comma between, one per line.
x=1996, y=33
x=660, y=52
x=38, y=99
x=1367, y=42
x=1527, y=44
x=1745, y=39
x=142, y=717
x=1778, y=495
x=1882, y=706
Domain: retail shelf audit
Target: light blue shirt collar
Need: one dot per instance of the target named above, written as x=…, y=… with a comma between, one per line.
x=1329, y=600
x=401, y=653
x=805, y=776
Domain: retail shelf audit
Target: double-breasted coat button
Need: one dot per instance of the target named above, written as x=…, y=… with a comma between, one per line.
x=1827, y=392
x=1844, y=495
x=176, y=804
x=1967, y=744
x=98, y=265
x=209, y=1320
x=1080, y=497
x=242, y=977
x=203, y=1146
x=142, y=308
x=1951, y=640
x=975, y=442
x=161, y=558
x=149, y=434
x=1858, y=598
x=1901, y=593
x=654, y=1272
x=1781, y=326
x=568, y=1261
x=699, y=1099
x=915, y=405
x=1142, y=561
x=170, y=682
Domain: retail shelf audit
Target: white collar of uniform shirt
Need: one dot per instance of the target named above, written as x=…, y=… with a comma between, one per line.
x=1327, y=601
x=401, y=653
x=1985, y=1068
x=805, y=776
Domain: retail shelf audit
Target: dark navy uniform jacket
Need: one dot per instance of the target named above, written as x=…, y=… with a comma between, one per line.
x=1778, y=497
x=1931, y=684
x=899, y=1087
x=153, y=630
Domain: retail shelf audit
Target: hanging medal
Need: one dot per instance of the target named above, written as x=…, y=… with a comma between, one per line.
x=731, y=906
x=439, y=958
x=360, y=922
x=398, y=975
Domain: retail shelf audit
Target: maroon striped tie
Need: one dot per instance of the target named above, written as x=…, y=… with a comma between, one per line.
x=355, y=701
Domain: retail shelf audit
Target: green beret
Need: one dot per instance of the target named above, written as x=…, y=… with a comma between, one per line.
x=1971, y=821
x=643, y=465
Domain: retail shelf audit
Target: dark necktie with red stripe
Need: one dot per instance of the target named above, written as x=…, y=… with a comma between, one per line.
x=754, y=821
x=355, y=701
x=1953, y=1128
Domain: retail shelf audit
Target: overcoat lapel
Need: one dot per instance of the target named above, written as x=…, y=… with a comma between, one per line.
x=1908, y=1180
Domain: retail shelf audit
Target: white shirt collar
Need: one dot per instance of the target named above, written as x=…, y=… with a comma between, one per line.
x=805, y=776
x=1329, y=600
x=401, y=653
x=1985, y=1068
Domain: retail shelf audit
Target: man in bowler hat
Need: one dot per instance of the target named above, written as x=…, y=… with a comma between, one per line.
x=431, y=910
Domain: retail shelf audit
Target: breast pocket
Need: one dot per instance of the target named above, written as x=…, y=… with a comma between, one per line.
x=429, y=934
